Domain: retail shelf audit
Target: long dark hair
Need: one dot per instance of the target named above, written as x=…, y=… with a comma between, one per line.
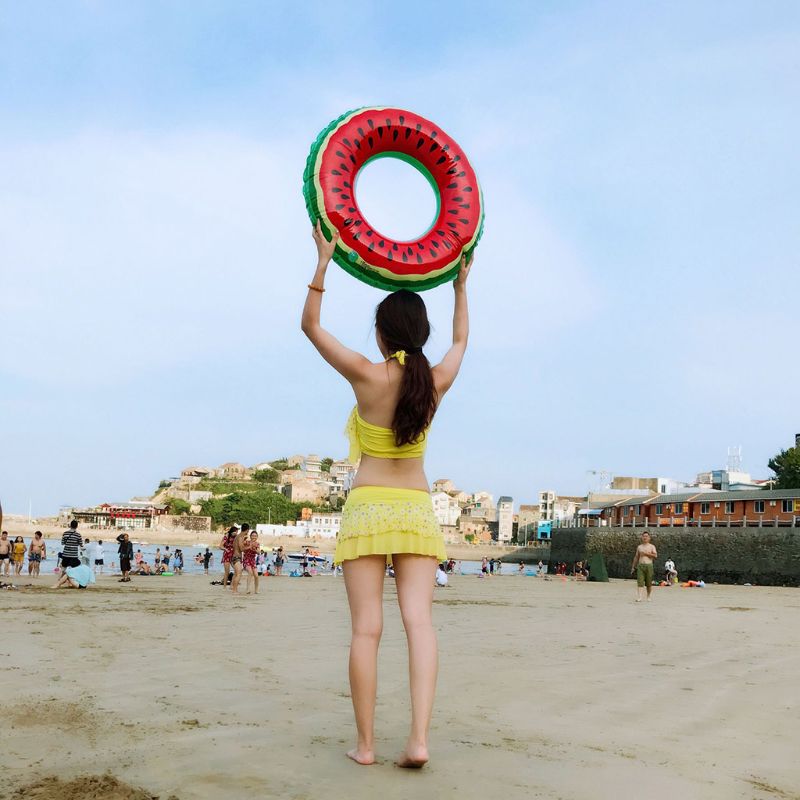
x=401, y=319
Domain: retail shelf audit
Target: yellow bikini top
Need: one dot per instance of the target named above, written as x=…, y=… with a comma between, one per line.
x=373, y=440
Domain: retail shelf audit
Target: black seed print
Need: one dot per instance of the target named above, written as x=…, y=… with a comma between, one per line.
x=435, y=243
x=371, y=141
x=347, y=142
x=441, y=160
x=463, y=205
x=340, y=154
x=360, y=132
x=346, y=184
x=370, y=123
x=441, y=233
x=380, y=131
x=345, y=197
x=451, y=225
x=352, y=158
x=446, y=245
x=420, y=245
x=420, y=142
x=456, y=158
x=394, y=136
x=369, y=233
x=434, y=134
x=464, y=221
x=402, y=120
x=433, y=147
x=457, y=199
x=348, y=221
x=336, y=189
x=335, y=172
x=359, y=222
x=432, y=252
x=394, y=246
x=358, y=144
x=351, y=210
x=405, y=258
x=467, y=189
x=339, y=206
x=419, y=127
x=381, y=243
x=389, y=254
x=452, y=211
x=410, y=251
x=419, y=258
x=445, y=147
x=356, y=235
x=461, y=174
x=451, y=171
x=408, y=132
x=452, y=185
x=371, y=246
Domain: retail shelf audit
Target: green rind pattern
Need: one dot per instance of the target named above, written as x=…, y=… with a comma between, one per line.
x=340, y=255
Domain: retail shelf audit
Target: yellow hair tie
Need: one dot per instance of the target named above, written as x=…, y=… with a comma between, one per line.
x=400, y=355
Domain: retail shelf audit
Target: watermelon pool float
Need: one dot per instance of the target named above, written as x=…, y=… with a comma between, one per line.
x=336, y=158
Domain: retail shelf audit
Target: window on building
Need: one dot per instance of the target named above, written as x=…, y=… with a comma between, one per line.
x=758, y=506
x=638, y=510
x=625, y=511
x=729, y=505
x=659, y=508
x=679, y=508
x=787, y=506
x=705, y=508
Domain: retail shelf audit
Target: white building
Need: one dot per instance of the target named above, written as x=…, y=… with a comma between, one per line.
x=505, y=519
x=446, y=508
x=325, y=525
x=555, y=507
x=343, y=472
x=300, y=529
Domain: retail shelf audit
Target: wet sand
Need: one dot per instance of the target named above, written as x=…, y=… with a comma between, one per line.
x=547, y=689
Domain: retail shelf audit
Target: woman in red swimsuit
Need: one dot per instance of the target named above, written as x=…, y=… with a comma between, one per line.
x=227, y=554
x=249, y=562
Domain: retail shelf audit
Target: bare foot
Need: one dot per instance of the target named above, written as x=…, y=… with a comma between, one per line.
x=363, y=757
x=413, y=757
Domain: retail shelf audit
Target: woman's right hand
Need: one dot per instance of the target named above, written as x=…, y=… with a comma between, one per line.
x=325, y=248
x=463, y=273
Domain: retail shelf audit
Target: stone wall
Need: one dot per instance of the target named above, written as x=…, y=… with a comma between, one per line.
x=532, y=554
x=766, y=556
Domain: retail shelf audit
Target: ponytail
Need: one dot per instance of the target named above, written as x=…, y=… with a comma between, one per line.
x=402, y=322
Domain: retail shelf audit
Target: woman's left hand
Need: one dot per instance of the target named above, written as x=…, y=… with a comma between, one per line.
x=325, y=248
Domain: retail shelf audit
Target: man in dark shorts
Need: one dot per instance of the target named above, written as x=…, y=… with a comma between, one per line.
x=207, y=556
x=125, y=551
x=5, y=552
x=71, y=544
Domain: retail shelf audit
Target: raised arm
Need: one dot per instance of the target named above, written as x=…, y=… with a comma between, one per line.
x=445, y=372
x=347, y=362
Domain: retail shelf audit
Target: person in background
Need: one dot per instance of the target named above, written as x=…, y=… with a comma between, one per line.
x=18, y=554
x=226, y=545
x=441, y=575
x=5, y=552
x=240, y=544
x=671, y=571
x=71, y=542
x=643, y=560
x=157, y=559
x=178, y=562
x=75, y=578
x=98, y=556
x=84, y=554
x=279, y=561
x=139, y=557
x=207, y=556
x=37, y=552
x=125, y=551
x=251, y=550
x=165, y=559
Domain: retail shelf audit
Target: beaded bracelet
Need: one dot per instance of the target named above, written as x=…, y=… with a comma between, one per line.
x=315, y=288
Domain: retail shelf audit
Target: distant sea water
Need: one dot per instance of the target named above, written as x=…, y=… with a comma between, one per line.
x=110, y=556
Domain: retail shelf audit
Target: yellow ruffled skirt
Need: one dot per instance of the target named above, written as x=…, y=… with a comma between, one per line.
x=382, y=520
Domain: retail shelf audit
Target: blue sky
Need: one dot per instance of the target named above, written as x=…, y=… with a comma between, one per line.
x=634, y=299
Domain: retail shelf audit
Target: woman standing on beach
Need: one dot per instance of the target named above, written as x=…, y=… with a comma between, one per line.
x=389, y=514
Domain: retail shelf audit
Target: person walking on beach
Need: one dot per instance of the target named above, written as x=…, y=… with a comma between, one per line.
x=670, y=572
x=5, y=552
x=226, y=545
x=207, y=556
x=279, y=559
x=37, y=552
x=125, y=551
x=239, y=546
x=643, y=566
x=71, y=542
x=99, y=557
x=18, y=554
x=251, y=551
x=389, y=514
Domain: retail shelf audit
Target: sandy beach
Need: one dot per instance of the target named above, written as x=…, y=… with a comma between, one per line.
x=547, y=689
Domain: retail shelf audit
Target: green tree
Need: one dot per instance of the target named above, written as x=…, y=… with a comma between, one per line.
x=263, y=505
x=325, y=466
x=281, y=464
x=164, y=484
x=469, y=537
x=786, y=466
x=177, y=506
x=266, y=476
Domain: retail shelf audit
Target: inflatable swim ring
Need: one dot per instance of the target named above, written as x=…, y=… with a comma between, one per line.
x=337, y=156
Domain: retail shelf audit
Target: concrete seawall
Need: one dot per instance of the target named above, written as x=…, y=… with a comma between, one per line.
x=765, y=556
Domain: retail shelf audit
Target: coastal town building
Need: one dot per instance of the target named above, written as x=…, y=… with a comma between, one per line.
x=444, y=485
x=505, y=519
x=652, y=485
x=554, y=507
x=302, y=490
x=759, y=507
x=446, y=508
x=343, y=472
x=126, y=516
x=325, y=525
